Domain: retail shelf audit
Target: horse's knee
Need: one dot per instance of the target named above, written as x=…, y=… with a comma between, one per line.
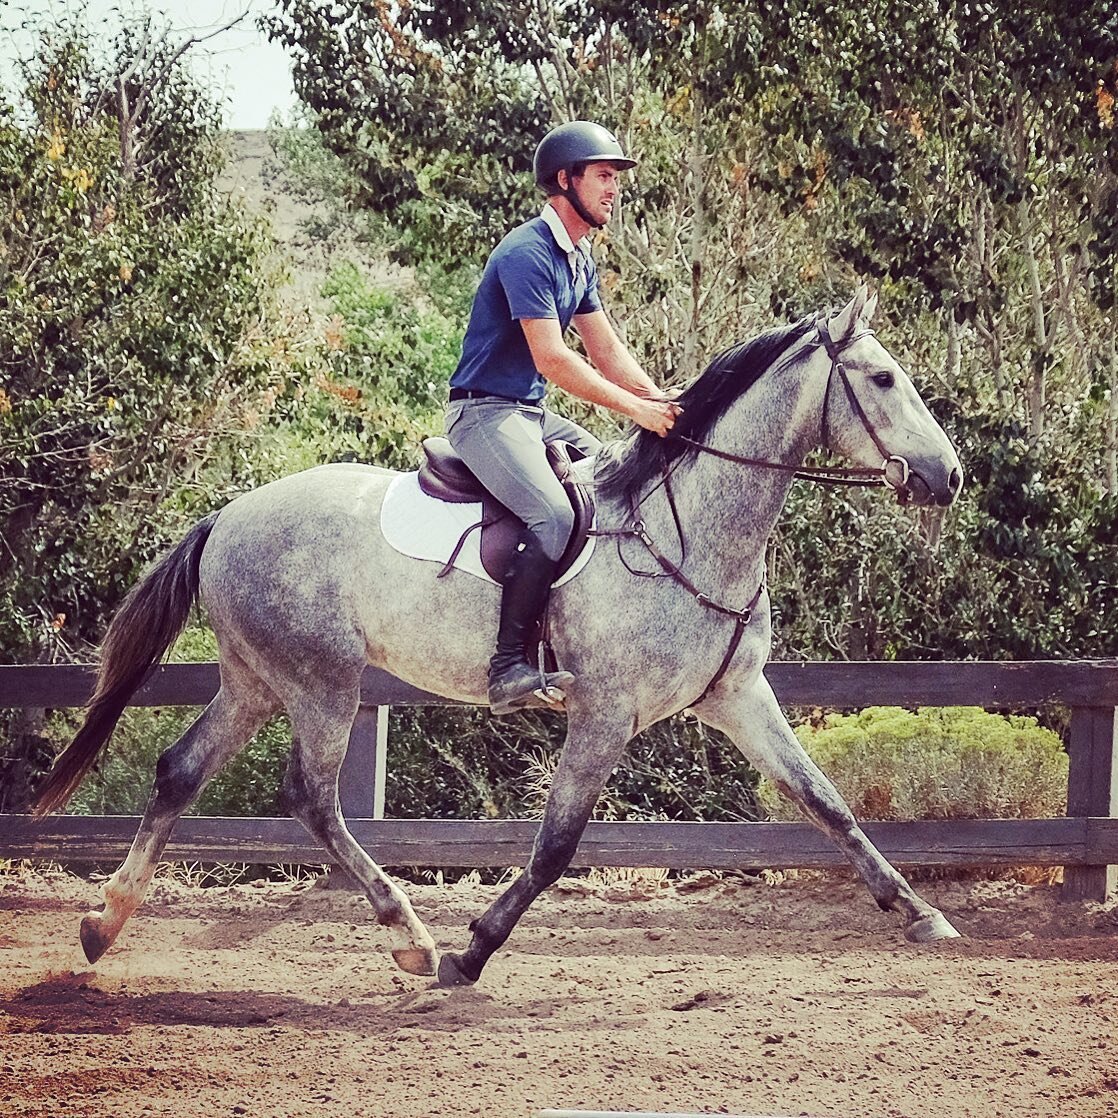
x=820, y=802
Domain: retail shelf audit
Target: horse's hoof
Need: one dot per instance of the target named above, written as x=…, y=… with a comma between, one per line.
x=94, y=942
x=451, y=973
x=928, y=929
x=417, y=960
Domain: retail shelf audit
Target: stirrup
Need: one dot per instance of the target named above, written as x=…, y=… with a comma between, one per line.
x=546, y=691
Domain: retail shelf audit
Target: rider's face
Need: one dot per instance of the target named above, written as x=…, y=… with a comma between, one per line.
x=598, y=188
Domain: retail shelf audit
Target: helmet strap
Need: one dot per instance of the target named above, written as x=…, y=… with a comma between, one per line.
x=569, y=193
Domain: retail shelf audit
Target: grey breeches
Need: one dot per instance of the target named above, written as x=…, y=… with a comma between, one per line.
x=503, y=443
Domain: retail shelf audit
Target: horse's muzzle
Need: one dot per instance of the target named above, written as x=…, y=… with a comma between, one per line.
x=921, y=487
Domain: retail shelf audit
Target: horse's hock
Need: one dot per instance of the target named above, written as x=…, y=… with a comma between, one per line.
x=1085, y=842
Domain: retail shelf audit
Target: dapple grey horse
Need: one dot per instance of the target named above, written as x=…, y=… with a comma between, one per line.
x=303, y=592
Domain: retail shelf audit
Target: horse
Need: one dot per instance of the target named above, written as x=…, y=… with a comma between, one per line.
x=670, y=613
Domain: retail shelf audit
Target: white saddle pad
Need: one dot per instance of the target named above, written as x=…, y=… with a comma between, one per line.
x=426, y=528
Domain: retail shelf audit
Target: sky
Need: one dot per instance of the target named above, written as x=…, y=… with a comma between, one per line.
x=249, y=74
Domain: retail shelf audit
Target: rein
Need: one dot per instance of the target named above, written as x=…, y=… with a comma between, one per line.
x=823, y=475
x=827, y=475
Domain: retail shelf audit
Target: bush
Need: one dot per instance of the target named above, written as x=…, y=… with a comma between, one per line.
x=450, y=762
x=365, y=383
x=134, y=298
x=935, y=763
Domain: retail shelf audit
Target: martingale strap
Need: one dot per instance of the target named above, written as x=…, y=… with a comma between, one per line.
x=637, y=530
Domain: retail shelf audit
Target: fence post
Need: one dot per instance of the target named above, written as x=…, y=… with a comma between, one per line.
x=361, y=780
x=1092, y=791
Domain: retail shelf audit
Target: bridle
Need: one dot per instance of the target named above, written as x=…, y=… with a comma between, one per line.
x=827, y=475
x=830, y=475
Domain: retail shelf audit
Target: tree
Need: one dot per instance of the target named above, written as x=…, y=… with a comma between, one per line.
x=963, y=154
x=133, y=295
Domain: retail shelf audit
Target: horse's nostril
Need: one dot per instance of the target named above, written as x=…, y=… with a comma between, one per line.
x=955, y=481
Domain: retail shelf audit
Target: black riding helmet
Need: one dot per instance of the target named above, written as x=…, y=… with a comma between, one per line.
x=571, y=145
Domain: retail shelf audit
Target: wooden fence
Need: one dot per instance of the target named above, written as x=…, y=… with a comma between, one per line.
x=1085, y=843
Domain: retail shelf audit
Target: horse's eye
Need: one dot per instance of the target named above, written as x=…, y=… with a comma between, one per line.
x=883, y=380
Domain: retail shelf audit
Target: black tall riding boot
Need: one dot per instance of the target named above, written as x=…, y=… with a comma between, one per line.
x=514, y=682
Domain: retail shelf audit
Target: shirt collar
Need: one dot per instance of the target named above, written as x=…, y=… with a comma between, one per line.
x=562, y=238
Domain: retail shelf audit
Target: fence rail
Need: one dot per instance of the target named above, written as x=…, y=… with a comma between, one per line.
x=1085, y=843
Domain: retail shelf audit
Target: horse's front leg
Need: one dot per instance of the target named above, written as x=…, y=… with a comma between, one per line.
x=589, y=755
x=754, y=721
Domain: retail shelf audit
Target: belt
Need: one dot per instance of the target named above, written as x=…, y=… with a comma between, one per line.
x=474, y=394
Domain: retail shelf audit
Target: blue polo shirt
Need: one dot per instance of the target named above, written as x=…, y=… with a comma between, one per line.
x=528, y=275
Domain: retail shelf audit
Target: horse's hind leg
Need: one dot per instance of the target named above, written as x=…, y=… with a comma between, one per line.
x=754, y=721
x=322, y=723
x=236, y=713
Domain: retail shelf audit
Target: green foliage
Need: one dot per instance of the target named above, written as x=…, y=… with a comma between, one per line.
x=935, y=763
x=450, y=763
x=132, y=293
x=1026, y=568
x=369, y=385
x=419, y=79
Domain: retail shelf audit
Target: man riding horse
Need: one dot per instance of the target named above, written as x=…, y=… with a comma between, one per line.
x=539, y=279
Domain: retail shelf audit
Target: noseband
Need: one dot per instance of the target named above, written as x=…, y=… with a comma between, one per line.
x=828, y=475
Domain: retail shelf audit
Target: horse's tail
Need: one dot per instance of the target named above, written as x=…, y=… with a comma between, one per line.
x=150, y=618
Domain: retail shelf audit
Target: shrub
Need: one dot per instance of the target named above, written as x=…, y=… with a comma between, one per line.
x=133, y=297
x=935, y=763
x=450, y=762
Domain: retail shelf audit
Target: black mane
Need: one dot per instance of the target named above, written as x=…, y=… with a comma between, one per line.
x=729, y=375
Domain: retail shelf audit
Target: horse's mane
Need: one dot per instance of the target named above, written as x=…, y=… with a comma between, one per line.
x=624, y=470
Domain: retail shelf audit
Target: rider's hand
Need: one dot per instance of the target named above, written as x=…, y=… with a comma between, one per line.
x=654, y=415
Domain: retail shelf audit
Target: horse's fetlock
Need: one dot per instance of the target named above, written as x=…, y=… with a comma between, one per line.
x=391, y=914
x=485, y=941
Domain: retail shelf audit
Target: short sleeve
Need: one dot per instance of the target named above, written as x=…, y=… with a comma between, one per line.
x=591, y=301
x=528, y=280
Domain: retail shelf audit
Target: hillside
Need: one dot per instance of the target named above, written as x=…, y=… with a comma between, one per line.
x=255, y=175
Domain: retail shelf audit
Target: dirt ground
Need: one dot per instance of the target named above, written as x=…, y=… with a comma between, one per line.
x=707, y=995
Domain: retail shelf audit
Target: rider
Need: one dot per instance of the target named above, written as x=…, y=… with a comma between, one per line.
x=536, y=281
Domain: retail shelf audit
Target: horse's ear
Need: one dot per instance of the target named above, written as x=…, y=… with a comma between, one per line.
x=869, y=309
x=841, y=324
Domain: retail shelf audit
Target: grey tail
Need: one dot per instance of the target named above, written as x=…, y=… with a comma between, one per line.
x=149, y=620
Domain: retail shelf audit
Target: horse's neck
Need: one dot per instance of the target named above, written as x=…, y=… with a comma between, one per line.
x=728, y=510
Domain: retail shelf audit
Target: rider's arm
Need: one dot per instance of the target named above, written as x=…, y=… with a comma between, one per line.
x=562, y=366
x=610, y=356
